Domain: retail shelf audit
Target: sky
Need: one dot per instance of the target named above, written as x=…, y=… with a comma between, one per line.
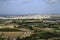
x=23, y=7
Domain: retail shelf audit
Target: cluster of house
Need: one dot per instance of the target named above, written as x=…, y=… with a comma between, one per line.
x=42, y=16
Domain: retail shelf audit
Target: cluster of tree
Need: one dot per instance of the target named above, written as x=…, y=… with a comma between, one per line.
x=1, y=38
x=43, y=35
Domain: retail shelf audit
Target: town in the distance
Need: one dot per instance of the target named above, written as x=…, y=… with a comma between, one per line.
x=30, y=27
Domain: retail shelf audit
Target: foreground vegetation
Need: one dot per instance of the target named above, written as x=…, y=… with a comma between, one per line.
x=41, y=30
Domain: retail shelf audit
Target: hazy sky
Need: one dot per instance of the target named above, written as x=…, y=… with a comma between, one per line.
x=22, y=7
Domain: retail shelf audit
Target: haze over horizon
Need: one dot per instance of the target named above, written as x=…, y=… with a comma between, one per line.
x=24, y=7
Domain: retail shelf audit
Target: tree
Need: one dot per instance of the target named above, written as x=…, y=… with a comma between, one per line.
x=8, y=38
x=14, y=26
x=18, y=38
x=30, y=27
